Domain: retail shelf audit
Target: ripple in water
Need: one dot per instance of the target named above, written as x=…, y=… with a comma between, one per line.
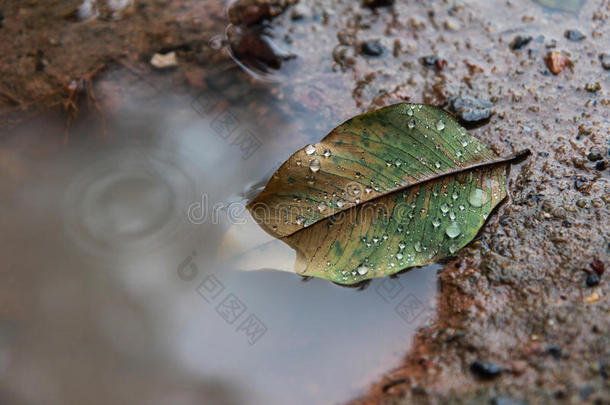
x=132, y=202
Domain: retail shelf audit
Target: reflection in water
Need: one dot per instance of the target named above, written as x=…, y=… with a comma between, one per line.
x=112, y=294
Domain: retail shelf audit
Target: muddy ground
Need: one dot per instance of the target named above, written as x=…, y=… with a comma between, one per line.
x=523, y=312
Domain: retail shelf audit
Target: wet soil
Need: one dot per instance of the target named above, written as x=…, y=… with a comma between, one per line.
x=523, y=296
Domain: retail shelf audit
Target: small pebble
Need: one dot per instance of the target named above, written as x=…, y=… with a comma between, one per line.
x=470, y=109
x=580, y=183
x=451, y=25
x=554, y=351
x=557, y=62
x=434, y=61
x=593, y=87
x=598, y=267
x=299, y=12
x=484, y=369
x=593, y=298
x=164, y=61
x=605, y=60
x=592, y=280
x=601, y=165
x=574, y=35
x=519, y=42
x=372, y=48
x=378, y=3
x=594, y=155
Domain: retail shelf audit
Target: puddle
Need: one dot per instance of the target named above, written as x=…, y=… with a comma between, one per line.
x=124, y=258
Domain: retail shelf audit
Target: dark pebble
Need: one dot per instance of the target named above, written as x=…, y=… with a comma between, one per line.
x=470, y=109
x=484, y=369
x=1, y=19
x=519, y=42
x=554, y=351
x=592, y=280
x=433, y=61
x=372, y=48
x=580, y=183
x=605, y=60
x=507, y=401
x=574, y=35
x=594, y=155
x=601, y=165
x=378, y=3
x=598, y=267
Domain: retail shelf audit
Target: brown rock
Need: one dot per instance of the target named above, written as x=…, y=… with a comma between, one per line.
x=556, y=62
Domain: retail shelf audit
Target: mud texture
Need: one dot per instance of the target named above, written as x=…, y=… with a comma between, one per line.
x=523, y=313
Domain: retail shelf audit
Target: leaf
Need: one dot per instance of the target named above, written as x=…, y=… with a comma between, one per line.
x=390, y=189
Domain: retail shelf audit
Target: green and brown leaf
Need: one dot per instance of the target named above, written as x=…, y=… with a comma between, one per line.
x=390, y=189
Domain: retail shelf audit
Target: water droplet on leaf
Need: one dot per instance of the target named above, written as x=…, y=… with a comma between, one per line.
x=314, y=166
x=477, y=197
x=453, y=230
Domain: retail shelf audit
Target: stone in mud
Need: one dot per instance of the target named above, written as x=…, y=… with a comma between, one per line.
x=249, y=12
x=557, y=62
x=299, y=12
x=594, y=155
x=605, y=60
x=434, y=61
x=485, y=370
x=592, y=280
x=377, y=3
x=164, y=60
x=580, y=183
x=519, y=42
x=598, y=267
x=554, y=351
x=470, y=109
x=255, y=48
x=593, y=87
x=574, y=35
x=372, y=48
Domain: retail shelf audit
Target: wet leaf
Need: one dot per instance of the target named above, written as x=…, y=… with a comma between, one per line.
x=390, y=189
